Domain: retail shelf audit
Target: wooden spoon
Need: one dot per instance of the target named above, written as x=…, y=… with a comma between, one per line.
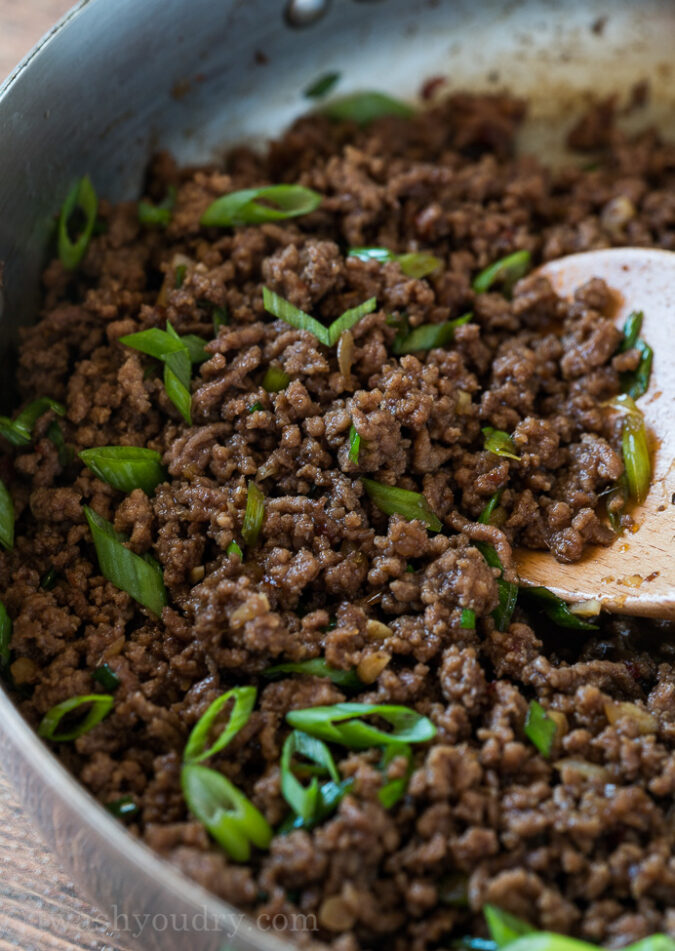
x=635, y=574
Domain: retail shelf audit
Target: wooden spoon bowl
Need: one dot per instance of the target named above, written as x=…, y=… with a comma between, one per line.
x=636, y=574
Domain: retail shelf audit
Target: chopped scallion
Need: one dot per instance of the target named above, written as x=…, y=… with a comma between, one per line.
x=253, y=206
x=122, y=808
x=321, y=86
x=503, y=926
x=342, y=723
x=232, y=820
x=636, y=457
x=126, y=468
x=255, y=407
x=354, y=445
x=6, y=517
x=507, y=271
x=486, y=515
x=167, y=346
x=540, y=728
x=254, y=515
x=81, y=197
x=234, y=549
x=275, y=380
x=631, y=330
x=106, y=677
x=304, y=800
x=429, y=336
x=160, y=214
x=196, y=347
x=48, y=579
x=96, y=707
x=499, y=443
x=394, y=789
x=506, y=590
x=415, y=264
x=394, y=501
x=284, y=310
x=243, y=700
x=467, y=620
x=220, y=318
x=140, y=577
x=636, y=382
x=55, y=435
x=365, y=107
x=317, y=667
x=19, y=431
x=349, y=319
x=556, y=609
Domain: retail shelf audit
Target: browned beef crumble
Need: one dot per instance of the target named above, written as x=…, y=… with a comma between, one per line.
x=580, y=843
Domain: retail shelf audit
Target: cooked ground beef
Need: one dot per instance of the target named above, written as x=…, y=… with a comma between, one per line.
x=581, y=842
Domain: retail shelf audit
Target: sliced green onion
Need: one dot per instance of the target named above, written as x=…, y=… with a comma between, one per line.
x=372, y=254
x=106, y=677
x=429, y=336
x=232, y=820
x=507, y=271
x=122, y=808
x=195, y=346
x=220, y=318
x=321, y=86
x=499, y=443
x=167, y=346
x=506, y=590
x=254, y=515
x=98, y=706
x=255, y=407
x=365, y=107
x=5, y=635
x=83, y=197
x=48, y=579
x=486, y=515
x=55, y=435
x=636, y=382
x=341, y=723
x=350, y=317
x=394, y=789
x=275, y=380
x=548, y=941
x=234, y=549
x=140, y=577
x=556, y=609
x=636, y=457
x=317, y=667
x=631, y=330
x=415, y=264
x=503, y=926
x=19, y=431
x=160, y=214
x=6, y=517
x=284, y=310
x=179, y=275
x=467, y=620
x=623, y=403
x=354, y=445
x=243, y=702
x=126, y=467
x=540, y=728
x=418, y=264
x=394, y=501
x=329, y=798
x=303, y=800
x=254, y=206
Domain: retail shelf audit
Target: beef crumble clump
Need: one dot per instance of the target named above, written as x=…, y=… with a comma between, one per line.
x=581, y=842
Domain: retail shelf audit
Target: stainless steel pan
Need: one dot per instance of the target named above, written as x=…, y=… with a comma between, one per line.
x=116, y=79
